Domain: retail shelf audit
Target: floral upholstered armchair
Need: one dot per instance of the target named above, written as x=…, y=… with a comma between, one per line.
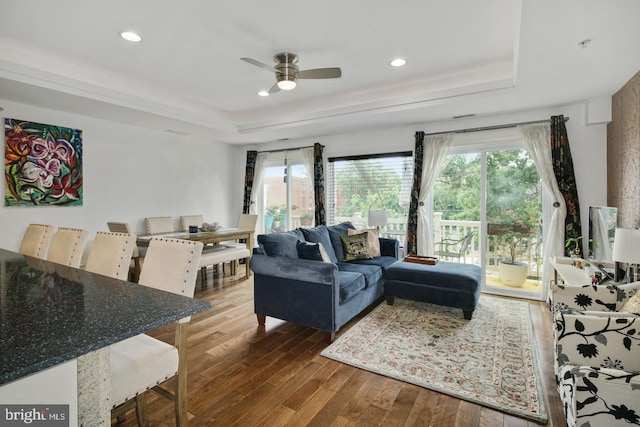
x=597, y=354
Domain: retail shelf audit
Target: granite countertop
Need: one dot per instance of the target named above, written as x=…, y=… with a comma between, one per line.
x=51, y=313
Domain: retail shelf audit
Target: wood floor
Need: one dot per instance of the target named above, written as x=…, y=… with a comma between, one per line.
x=240, y=375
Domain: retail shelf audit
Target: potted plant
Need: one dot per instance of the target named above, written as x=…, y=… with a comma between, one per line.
x=511, y=236
x=277, y=218
x=306, y=219
x=573, y=247
x=269, y=213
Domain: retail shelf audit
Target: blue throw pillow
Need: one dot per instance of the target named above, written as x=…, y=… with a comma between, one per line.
x=313, y=251
x=279, y=244
x=320, y=234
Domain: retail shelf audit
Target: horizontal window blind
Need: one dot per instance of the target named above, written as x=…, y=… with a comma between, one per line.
x=357, y=184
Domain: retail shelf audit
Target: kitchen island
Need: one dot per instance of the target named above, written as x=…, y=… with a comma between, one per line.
x=52, y=315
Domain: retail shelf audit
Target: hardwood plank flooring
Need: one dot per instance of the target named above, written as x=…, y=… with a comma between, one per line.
x=241, y=375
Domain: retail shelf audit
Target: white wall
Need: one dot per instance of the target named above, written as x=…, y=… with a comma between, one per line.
x=588, y=145
x=131, y=173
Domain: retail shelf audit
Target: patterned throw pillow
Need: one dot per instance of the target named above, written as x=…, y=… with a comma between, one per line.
x=372, y=238
x=355, y=246
x=632, y=306
x=313, y=251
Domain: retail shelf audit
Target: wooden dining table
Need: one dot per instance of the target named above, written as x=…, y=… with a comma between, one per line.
x=206, y=237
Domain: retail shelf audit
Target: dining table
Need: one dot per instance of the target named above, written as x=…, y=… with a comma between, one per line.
x=52, y=315
x=206, y=237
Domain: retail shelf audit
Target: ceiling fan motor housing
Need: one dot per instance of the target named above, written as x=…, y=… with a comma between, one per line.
x=286, y=68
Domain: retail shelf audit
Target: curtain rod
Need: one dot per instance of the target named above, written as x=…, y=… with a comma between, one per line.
x=285, y=149
x=510, y=125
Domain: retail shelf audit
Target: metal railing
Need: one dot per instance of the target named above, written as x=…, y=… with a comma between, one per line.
x=452, y=229
x=396, y=228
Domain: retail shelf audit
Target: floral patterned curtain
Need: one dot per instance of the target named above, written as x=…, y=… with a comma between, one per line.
x=248, y=180
x=318, y=183
x=563, y=169
x=412, y=221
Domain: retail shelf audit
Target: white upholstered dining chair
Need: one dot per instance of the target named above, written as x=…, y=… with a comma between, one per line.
x=110, y=254
x=245, y=222
x=67, y=246
x=143, y=363
x=136, y=258
x=36, y=239
x=158, y=224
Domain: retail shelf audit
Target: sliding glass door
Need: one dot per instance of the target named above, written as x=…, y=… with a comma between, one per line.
x=286, y=200
x=513, y=224
x=495, y=195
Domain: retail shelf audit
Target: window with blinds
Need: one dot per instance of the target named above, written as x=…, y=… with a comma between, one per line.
x=357, y=184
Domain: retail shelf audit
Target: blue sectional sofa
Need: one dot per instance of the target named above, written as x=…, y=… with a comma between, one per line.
x=293, y=283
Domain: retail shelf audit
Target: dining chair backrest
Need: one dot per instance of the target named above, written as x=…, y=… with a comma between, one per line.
x=171, y=265
x=36, y=239
x=110, y=254
x=67, y=246
x=247, y=222
x=158, y=224
x=122, y=227
x=187, y=220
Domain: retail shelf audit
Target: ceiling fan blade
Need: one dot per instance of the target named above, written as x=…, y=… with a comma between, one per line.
x=275, y=88
x=320, y=73
x=258, y=64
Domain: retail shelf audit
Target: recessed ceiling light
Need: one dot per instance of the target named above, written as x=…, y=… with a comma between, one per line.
x=263, y=93
x=398, y=62
x=130, y=36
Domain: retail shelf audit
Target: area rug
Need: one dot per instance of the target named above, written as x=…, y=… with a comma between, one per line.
x=490, y=360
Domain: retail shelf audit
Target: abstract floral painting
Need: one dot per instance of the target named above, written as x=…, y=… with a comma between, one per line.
x=43, y=164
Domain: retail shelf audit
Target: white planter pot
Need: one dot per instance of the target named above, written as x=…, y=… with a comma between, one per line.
x=513, y=274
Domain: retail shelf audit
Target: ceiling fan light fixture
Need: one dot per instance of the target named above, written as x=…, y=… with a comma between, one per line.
x=286, y=84
x=130, y=36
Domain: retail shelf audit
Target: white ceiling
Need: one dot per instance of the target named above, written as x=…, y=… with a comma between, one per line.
x=464, y=57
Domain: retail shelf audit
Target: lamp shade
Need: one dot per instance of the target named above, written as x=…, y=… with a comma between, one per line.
x=377, y=218
x=626, y=245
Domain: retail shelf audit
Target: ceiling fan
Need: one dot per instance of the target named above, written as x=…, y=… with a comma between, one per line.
x=287, y=72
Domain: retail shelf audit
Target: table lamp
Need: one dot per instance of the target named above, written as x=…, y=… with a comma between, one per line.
x=377, y=219
x=626, y=248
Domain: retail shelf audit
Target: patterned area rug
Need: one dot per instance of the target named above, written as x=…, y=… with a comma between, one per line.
x=490, y=360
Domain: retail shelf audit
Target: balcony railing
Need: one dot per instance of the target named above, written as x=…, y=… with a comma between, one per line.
x=396, y=228
x=451, y=229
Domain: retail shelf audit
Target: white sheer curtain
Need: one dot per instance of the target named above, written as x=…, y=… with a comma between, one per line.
x=601, y=247
x=307, y=158
x=258, y=175
x=436, y=149
x=537, y=139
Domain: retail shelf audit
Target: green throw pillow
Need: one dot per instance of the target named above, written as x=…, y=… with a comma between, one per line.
x=356, y=246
